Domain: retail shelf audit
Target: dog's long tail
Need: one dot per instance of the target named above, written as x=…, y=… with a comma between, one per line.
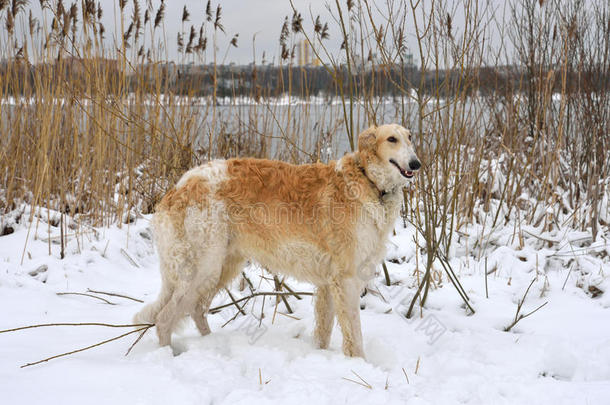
x=148, y=314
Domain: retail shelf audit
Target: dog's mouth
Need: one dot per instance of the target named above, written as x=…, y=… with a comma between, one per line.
x=405, y=173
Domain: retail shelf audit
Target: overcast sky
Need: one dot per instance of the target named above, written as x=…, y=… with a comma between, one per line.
x=256, y=18
x=252, y=19
x=263, y=18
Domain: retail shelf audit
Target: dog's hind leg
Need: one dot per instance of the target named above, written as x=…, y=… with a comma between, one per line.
x=190, y=292
x=346, y=297
x=230, y=269
x=198, y=253
x=199, y=315
x=325, y=316
x=172, y=311
x=148, y=314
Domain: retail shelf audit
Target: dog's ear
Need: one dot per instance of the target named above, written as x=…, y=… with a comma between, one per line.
x=367, y=140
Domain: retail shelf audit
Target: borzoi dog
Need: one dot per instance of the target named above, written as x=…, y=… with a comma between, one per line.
x=326, y=224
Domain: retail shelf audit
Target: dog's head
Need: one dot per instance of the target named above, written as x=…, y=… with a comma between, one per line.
x=388, y=156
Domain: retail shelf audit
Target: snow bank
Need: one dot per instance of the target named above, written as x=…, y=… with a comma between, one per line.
x=558, y=355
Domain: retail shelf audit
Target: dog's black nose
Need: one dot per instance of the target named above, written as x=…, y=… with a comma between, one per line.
x=414, y=164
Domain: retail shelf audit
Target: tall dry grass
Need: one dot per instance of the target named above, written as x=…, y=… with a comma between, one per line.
x=101, y=131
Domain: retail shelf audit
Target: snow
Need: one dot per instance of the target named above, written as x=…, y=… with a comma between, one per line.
x=558, y=355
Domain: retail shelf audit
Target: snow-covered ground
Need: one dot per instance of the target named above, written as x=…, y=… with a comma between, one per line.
x=558, y=355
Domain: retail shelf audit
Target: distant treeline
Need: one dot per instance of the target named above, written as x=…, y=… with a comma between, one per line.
x=380, y=81
x=275, y=81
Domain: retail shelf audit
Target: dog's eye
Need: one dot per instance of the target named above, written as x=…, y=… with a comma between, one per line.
x=409, y=137
x=392, y=139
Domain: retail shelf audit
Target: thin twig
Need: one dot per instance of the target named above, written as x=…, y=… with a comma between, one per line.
x=274, y=312
x=243, y=274
x=86, y=348
x=86, y=295
x=289, y=316
x=509, y=327
x=551, y=241
x=278, y=287
x=114, y=295
x=405, y=373
x=363, y=383
x=257, y=294
x=109, y=325
x=260, y=321
x=129, y=258
x=519, y=316
x=236, y=313
x=567, y=277
x=456, y=283
x=386, y=274
x=297, y=296
x=357, y=382
x=361, y=379
x=486, y=289
x=235, y=302
x=137, y=340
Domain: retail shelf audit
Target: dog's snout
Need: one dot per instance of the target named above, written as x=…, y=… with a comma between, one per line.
x=414, y=164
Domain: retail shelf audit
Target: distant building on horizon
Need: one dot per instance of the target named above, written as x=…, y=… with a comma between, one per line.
x=305, y=54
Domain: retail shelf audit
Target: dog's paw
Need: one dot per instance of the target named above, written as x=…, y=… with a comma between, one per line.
x=178, y=348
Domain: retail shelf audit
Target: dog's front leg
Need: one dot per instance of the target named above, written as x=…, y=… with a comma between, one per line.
x=346, y=297
x=325, y=316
